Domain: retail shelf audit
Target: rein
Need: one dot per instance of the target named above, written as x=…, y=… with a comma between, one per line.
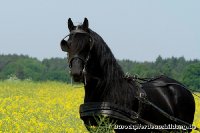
x=92, y=109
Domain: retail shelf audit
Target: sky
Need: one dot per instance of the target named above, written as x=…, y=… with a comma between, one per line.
x=138, y=30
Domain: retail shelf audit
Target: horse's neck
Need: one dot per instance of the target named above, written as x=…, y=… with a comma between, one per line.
x=102, y=89
x=105, y=79
x=108, y=85
x=120, y=92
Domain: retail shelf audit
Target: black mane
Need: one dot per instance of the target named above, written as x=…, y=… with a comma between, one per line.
x=112, y=86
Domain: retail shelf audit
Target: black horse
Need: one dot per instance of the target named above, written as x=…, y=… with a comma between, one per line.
x=92, y=62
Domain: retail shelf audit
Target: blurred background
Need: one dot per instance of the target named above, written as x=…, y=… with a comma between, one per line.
x=147, y=37
x=134, y=29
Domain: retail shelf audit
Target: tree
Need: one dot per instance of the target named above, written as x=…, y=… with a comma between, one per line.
x=191, y=76
x=25, y=67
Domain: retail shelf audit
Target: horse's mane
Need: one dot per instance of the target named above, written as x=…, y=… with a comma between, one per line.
x=113, y=85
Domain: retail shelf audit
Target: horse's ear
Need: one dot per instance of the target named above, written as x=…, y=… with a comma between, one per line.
x=85, y=24
x=70, y=24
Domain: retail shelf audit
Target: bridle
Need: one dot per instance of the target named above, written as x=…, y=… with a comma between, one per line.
x=76, y=56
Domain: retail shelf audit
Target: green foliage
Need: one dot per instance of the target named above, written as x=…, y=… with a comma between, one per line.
x=191, y=76
x=56, y=69
x=24, y=67
x=104, y=125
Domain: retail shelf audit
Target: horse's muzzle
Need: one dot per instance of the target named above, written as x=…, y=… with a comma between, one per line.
x=77, y=77
x=77, y=70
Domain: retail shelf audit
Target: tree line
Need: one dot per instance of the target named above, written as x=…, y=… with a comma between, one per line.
x=56, y=69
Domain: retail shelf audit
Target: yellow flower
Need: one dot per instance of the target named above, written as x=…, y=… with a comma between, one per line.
x=70, y=130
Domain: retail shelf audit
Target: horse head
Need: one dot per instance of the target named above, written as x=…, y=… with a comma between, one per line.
x=78, y=45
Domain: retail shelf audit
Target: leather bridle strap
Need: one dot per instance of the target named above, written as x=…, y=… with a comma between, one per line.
x=74, y=57
x=73, y=32
x=79, y=31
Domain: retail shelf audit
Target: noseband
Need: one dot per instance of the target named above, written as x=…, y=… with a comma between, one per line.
x=79, y=31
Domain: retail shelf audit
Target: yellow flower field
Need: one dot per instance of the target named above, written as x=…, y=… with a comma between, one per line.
x=27, y=106
x=40, y=107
